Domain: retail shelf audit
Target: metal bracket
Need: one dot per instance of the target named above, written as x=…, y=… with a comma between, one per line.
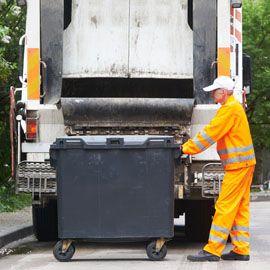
x=186, y=159
x=44, y=79
x=212, y=177
x=66, y=245
x=34, y=201
x=159, y=243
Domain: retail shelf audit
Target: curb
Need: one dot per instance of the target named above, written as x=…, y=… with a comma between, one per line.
x=259, y=197
x=15, y=235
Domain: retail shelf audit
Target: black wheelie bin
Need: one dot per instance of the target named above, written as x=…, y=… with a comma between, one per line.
x=114, y=188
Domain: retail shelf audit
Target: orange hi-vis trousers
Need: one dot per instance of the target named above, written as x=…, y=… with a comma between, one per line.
x=232, y=213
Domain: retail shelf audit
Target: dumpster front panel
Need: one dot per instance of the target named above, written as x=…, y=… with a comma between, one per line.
x=115, y=193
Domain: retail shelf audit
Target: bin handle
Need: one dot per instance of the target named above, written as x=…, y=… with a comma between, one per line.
x=115, y=141
x=74, y=142
x=158, y=142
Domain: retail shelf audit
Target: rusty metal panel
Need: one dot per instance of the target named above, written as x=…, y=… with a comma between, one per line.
x=160, y=39
x=96, y=40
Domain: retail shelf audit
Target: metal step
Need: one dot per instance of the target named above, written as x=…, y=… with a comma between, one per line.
x=36, y=177
x=212, y=177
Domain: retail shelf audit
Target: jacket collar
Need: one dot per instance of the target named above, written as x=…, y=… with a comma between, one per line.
x=230, y=99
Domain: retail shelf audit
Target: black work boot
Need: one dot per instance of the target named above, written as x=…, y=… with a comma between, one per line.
x=232, y=256
x=203, y=256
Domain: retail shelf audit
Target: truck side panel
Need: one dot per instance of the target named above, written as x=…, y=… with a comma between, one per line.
x=52, y=21
x=204, y=47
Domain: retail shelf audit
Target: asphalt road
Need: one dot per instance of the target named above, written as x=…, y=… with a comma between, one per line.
x=30, y=254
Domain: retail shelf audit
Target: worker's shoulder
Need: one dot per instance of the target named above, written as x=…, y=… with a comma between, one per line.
x=233, y=104
x=232, y=107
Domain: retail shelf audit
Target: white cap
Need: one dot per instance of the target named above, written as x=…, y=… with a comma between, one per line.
x=223, y=82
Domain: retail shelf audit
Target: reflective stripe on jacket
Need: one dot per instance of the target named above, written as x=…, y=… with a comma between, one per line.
x=230, y=129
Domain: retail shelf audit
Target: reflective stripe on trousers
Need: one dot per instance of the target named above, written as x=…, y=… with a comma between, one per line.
x=240, y=239
x=232, y=213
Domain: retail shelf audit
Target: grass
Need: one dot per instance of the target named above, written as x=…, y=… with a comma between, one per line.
x=10, y=201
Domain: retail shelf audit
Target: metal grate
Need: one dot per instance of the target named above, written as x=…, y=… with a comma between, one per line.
x=178, y=133
x=212, y=177
x=36, y=177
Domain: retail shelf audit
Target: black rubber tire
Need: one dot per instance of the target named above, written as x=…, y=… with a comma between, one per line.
x=153, y=255
x=63, y=257
x=45, y=221
x=198, y=219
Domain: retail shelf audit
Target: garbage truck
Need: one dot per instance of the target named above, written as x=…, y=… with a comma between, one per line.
x=118, y=67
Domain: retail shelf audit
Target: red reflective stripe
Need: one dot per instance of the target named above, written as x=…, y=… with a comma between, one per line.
x=11, y=132
x=238, y=16
x=238, y=35
x=232, y=30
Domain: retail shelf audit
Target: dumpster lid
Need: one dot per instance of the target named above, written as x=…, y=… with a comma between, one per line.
x=114, y=141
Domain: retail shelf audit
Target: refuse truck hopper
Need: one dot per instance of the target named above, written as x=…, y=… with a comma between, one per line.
x=104, y=116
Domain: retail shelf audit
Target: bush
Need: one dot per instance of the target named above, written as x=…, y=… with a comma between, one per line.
x=10, y=201
x=12, y=27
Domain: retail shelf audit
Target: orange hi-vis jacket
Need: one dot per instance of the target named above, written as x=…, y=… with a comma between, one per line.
x=230, y=129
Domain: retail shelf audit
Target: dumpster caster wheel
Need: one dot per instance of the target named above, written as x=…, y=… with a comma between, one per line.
x=63, y=256
x=154, y=254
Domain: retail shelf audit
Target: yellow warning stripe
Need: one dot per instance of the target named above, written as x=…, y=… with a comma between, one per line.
x=224, y=62
x=33, y=72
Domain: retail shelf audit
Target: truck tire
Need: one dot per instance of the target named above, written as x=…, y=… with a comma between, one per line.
x=45, y=221
x=198, y=219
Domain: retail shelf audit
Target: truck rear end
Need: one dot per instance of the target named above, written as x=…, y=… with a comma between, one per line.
x=123, y=68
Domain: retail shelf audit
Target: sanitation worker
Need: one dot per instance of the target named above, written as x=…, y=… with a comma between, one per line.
x=230, y=130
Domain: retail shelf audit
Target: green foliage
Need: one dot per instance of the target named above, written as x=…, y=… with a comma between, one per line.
x=12, y=27
x=256, y=43
x=12, y=21
x=9, y=201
